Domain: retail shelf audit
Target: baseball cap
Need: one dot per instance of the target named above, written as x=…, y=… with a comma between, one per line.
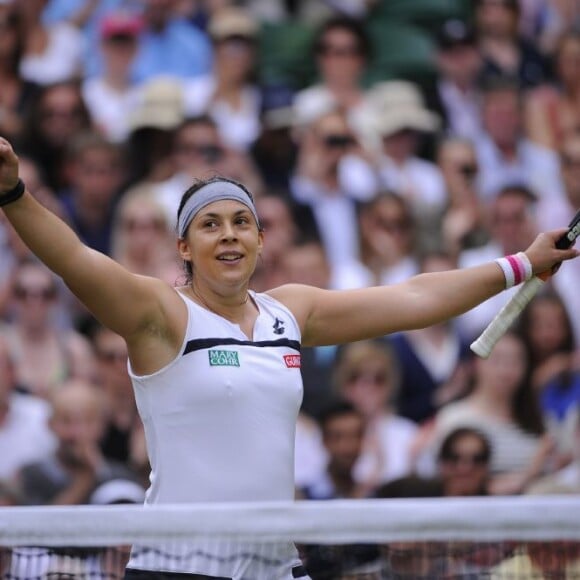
x=121, y=24
x=454, y=33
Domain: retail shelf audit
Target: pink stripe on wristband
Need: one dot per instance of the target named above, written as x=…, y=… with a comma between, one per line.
x=518, y=268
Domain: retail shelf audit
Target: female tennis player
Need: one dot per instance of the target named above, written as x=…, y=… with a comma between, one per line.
x=215, y=366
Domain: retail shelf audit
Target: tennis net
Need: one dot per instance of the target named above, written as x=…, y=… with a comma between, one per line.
x=509, y=538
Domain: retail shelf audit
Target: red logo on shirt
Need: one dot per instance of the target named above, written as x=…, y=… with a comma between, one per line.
x=292, y=361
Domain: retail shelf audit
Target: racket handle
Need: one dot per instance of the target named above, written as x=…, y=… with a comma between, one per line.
x=505, y=317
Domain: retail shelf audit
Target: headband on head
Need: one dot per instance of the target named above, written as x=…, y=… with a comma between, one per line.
x=215, y=191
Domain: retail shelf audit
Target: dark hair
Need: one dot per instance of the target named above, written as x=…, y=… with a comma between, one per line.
x=568, y=344
x=338, y=408
x=350, y=25
x=195, y=187
x=446, y=449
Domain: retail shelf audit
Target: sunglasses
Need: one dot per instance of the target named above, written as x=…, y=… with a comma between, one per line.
x=338, y=141
x=471, y=459
x=338, y=51
x=45, y=294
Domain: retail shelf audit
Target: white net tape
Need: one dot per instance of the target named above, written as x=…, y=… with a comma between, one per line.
x=327, y=522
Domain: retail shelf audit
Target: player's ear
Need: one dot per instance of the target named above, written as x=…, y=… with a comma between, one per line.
x=183, y=249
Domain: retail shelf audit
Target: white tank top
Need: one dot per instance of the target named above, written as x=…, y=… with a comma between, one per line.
x=220, y=426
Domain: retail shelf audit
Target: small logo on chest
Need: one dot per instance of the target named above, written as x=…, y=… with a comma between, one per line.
x=278, y=326
x=223, y=358
x=292, y=361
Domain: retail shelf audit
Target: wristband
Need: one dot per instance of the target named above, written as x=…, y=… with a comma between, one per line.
x=13, y=194
x=516, y=268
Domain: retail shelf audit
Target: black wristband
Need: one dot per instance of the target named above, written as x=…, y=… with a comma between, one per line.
x=13, y=194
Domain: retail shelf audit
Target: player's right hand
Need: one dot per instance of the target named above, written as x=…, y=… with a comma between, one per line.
x=8, y=167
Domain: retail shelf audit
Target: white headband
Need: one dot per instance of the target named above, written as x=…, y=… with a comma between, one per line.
x=215, y=191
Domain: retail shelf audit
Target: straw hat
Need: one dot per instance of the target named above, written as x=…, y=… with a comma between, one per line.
x=398, y=105
x=159, y=105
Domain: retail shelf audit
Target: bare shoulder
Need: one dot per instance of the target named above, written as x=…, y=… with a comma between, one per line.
x=298, y=298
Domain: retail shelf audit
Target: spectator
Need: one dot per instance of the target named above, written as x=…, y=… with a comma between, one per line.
x=158, y=111
x=332, y=175
x=386, y=248
x=429, y=359
x=504, y=408
x=505, y=53
x=52, y=53
x=142, y=236
x=512, y=224
x=199, y=151
x=366, y=375
x=169, y=45
x=17, y=93
x=552, y=113
x=34, y=335
x=341, y=49
x=400, y=119
x=24, y=432
x=57, y=116
x=342, y=429
x=110, y=96
x=464, y=463
x=456, y=95
x=96, y=174
x=505, y=155
x=463, y=225
x=77, y=468
x=229, y=95
x=123, y=438
x=547, y=329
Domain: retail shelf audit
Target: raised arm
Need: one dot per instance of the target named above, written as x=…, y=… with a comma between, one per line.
x=332, y=317
x=120, y=300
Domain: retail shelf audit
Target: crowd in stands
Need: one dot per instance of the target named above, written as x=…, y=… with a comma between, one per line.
x=369, y=164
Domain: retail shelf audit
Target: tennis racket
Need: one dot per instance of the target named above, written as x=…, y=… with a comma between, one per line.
x=506, y=316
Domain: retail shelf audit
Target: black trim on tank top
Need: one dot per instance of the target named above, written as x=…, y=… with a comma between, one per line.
x=203, y=343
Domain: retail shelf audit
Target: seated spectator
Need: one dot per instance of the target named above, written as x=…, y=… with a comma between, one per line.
x=547, y=329
x=553, y=112
x=333, y=174
x=33, y=335
x=506, y=157
x=342, y=429
x=51, y=53
x=366, y=375
x=512, y=225
x=96, y=170
x=463, y=225
x=24, y=432
x=464, y=462
x=429, y=359
x=309, y=454
x=110, y=96
x=56, y=116
x=400, y=120
x=123, y=438
x=229, y=95
x=17, y=93
x=386, y=249
x=455, y=98
x=77, y=468
x=198, y=151
x=342, y=49
x=505, y=53
x=502, y=405
x=169, y=45
x=142, y=236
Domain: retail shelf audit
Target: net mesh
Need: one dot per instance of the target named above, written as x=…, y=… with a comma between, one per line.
x=499, y=538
